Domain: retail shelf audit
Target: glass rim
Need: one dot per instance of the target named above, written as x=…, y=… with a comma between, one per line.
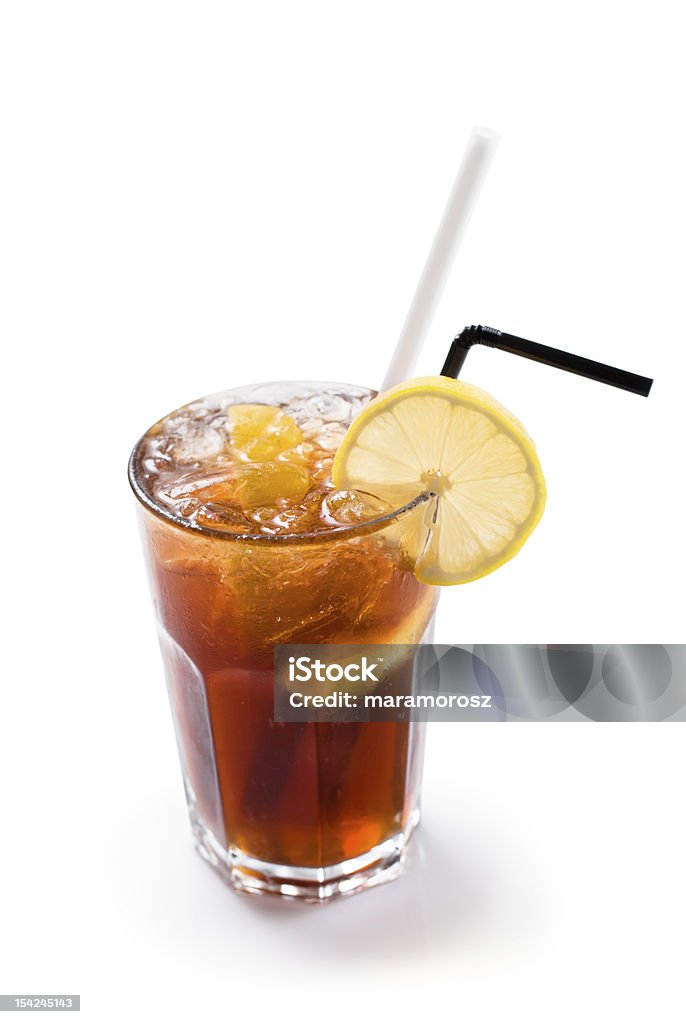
x=310, y=537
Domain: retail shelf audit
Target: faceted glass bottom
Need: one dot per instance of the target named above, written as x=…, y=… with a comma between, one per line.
x=380, y=864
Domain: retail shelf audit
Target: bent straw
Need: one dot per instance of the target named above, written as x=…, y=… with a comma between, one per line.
x=459, y=208
x=555, y=357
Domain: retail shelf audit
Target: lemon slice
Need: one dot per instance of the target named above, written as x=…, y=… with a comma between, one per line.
x=261, y=432
x=454, y=440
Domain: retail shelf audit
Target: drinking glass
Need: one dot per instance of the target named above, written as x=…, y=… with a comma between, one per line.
x=311, y=809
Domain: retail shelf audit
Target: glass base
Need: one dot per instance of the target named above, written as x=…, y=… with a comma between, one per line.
x=247, y=874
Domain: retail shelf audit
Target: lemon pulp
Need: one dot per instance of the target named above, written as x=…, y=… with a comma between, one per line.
x=456, y=441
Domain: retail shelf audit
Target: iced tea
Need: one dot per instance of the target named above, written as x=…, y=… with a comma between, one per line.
x=249, y=545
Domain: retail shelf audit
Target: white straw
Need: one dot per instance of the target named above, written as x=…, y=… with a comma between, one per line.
x=470, y=177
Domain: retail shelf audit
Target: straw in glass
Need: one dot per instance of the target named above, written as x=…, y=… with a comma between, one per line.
x=471, y=174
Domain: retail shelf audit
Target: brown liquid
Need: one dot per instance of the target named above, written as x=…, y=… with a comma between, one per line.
x=307, y=794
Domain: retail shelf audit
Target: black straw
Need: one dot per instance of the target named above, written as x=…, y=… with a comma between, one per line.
x=541, y=354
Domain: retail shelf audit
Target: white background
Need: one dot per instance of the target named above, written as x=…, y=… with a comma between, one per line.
x=197, y=195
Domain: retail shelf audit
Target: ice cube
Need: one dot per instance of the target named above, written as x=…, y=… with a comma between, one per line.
x=302, y=518
x=263, y=519
x=346, y=508
x=329, y=407
x=311, y=427
x=261, y=432
x=214, y=486
x=302, y=454
x=223, y=517
x=321, y=472
x=272, y=483
x=330, y=436
x=197, y=443
x=186, y=507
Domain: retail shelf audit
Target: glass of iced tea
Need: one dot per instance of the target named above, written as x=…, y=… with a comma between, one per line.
x=249, y=545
